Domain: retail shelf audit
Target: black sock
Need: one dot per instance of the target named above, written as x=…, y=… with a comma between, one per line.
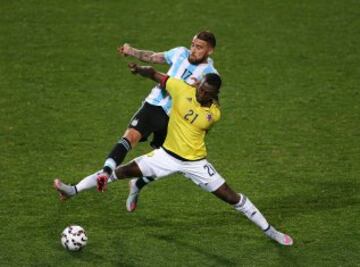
x=118, y=153
x=141, y=182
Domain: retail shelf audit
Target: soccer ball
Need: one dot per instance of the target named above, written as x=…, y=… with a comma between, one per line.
x=73, y=238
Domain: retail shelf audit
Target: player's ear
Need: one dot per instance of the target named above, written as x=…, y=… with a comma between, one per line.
x=210, y=51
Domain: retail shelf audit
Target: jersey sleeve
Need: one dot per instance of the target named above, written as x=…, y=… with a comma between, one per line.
x=215, y=114
x=170, y=56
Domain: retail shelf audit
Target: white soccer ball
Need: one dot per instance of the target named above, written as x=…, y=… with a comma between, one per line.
x=73, y=238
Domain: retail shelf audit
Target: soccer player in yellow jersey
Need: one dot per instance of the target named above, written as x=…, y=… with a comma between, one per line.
x=195, y=109
x=189, y=121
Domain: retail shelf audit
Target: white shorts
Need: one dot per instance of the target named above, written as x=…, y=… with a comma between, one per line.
x=159, y=163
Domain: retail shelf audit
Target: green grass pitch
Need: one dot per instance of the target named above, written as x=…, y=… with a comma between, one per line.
x=289, y=136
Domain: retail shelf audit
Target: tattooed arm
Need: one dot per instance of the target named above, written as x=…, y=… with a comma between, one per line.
x=142, y=55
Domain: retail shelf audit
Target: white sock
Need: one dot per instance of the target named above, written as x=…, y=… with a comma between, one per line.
x=249, y=210
x=110, y=163
x=89, y=182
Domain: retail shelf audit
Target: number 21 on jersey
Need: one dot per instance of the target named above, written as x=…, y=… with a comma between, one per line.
x=191, y=116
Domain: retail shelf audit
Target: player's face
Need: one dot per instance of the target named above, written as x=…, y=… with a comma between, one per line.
x=202, y=92
x=199, y=51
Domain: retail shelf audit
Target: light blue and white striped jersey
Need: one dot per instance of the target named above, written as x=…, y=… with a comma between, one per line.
x=182, y=69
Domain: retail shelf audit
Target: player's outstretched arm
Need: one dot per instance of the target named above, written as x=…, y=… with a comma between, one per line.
x=142, y=55
x=147, y=72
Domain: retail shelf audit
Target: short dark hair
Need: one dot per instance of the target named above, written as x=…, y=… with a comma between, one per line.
x=208, y=37
x=214, y=81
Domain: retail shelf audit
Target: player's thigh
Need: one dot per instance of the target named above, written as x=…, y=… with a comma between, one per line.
x=148, y=119
x=140, y=121
x=157, y=164
x=203, y=174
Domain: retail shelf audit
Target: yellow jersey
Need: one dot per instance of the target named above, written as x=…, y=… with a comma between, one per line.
x=188, y=122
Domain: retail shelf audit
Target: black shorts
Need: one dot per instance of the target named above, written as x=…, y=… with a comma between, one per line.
x=150, y=119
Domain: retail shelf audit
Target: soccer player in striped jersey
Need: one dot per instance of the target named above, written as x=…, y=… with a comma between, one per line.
x=186, y=64
x=195, y=110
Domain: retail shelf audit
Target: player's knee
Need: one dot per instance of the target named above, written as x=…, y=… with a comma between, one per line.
x=120, y=173
x=227, y=194
x=230, y=199
x=234, y=199
x=128, y=171
x=123, y=172
x=133, y=136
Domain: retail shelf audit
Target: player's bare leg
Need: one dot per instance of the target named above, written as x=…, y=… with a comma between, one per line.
x=124, y=171
x=244, y=205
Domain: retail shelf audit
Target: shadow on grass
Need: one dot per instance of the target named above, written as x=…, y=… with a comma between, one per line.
x=87, y=257
x=226, y=217
x=87, y=254
x=218, y=259
x=287, y=257
x=324, y=196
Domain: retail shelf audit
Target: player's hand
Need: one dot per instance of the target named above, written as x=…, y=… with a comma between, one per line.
x=194, y=81
x=145, y=71
x=125, y=50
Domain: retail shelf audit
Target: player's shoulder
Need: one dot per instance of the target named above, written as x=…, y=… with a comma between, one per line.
x=175, y=53
x=179, y=49
x=211, y=67
x=210, y=61
x=182, y=51
x=177, y=87
x=215, y=111
x=182, y=48
x=180, y=84
x=208, y=67
x=177, y=82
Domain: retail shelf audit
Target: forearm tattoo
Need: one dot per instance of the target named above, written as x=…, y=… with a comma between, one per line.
x=148, y=56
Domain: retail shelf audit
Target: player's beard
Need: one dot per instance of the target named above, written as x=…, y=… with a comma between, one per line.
x=196, y=62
